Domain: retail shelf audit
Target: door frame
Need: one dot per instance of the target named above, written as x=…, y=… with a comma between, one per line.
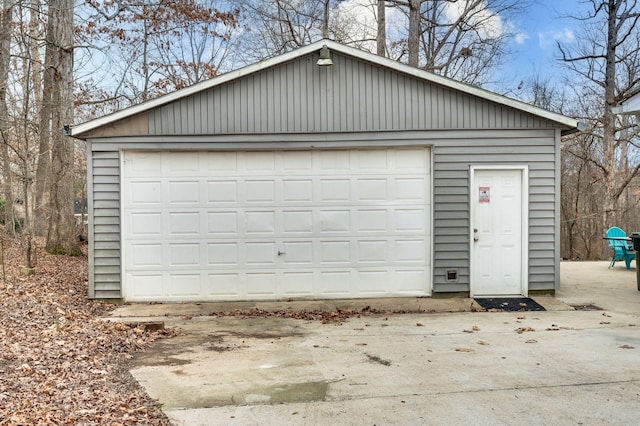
x=524, y=249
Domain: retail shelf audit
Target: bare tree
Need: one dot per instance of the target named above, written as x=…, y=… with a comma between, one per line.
x=61, y=235
x=607, y=63
x=381, y=36
x=413, y=39
x=280, y=26
x=5, y=52
x=151, y=47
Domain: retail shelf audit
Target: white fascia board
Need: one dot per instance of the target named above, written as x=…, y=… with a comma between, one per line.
x=630, y=106
x=79, y=129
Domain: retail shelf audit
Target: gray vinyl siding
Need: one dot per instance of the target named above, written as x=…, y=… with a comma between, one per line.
x=350, y=96
x=452, y=161
x=105, y=260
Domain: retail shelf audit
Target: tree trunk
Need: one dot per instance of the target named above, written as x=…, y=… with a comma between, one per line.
x=381, y=38
x=61, y=236
x=42, y=87
x=5, y=51
x=413, y=45
x=608, y=119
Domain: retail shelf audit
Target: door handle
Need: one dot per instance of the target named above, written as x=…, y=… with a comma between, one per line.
x=280, y=253
x=475, y=234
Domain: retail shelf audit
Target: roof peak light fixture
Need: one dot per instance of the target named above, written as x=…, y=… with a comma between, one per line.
x=325, y=57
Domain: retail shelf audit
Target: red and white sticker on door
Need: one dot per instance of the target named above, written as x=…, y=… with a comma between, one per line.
x=484, y=194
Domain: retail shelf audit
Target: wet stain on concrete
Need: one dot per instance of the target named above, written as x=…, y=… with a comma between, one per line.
x=162, y=361
x=268, y=395
x=260, y=334
x=282, y=394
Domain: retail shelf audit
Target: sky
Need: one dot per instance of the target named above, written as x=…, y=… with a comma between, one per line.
x=535, y=49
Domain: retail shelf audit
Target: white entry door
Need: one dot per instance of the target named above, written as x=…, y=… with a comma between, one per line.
x=498, y=232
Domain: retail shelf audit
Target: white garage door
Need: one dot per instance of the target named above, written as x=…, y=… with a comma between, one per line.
x=277, y=224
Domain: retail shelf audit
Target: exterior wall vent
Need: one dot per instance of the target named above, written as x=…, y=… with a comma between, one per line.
x=452, y=276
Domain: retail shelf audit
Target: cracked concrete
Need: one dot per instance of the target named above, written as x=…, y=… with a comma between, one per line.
x=561, y=367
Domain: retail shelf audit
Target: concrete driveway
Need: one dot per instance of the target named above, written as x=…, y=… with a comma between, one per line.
x=446, y=366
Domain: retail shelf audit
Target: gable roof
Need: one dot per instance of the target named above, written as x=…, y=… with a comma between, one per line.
x=569, y=125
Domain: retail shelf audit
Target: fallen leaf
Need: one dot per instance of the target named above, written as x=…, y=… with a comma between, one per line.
x=419, y=324
x=475, y=328
x=521, y=330
x=483, y=342
x=464, y=350
x=531, y=341
x=361, y=344
x=627, y=347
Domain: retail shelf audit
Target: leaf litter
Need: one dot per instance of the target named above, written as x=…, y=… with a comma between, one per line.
x=60, y=363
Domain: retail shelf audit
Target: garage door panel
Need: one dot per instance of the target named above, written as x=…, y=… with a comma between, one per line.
x=184, y=286
x=297, y=190
x=184, y=254
x=268, y=225
x=222, y=223
x=299, y=253
x=222, y=191
x=372, y=252
x=335, y=283
x=259, y=161
x=260, y=253
x=183, y=163
x=372, y=189
x=260, y=222
x=261, y=284
x=222, y=162
x=300, y=162
x=410, y=251
x=332, y=252
x=373, y=282
x=297, y=283
x=411, y=281
x=334, y=190
x=260, y=191
x=145, y=193
x=222, y=254
x=183, y=193
x=410, y=220
x=410, y=189
x=222, y=285
x=145, y=287
x=372, y=220
x=334, y=161
x=143, y=164
x=184, y=223
x=372, y=160
x=297, y=222
x=145, y=255
x=335, y=221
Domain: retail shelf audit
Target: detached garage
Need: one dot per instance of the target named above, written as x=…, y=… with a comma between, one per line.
x=286, y=179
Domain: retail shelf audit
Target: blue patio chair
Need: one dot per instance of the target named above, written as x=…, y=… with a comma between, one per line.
x=622, y=249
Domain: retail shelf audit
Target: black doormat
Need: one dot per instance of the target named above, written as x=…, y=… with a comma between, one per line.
x=509, y=304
